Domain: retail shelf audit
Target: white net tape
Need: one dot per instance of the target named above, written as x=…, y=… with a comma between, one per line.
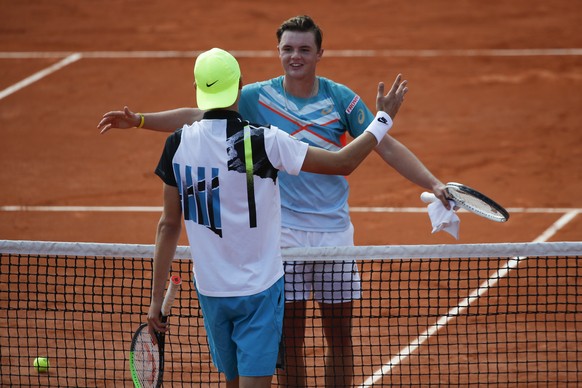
x=47, y=248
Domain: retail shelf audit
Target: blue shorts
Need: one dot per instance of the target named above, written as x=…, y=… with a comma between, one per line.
x=244, y=332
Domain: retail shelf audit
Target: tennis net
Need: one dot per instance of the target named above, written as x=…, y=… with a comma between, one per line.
x=430, y=315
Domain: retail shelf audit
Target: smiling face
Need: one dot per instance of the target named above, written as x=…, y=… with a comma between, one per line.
x=299, y=54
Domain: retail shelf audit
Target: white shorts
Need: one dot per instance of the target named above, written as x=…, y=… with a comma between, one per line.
x=330, y=282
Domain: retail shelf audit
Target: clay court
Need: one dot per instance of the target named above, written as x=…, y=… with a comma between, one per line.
x=495, y=103
x=504, y=122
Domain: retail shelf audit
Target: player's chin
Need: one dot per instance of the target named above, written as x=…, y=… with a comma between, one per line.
x=296, y=70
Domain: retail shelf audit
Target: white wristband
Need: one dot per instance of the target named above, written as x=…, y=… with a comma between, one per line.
x=381, y=124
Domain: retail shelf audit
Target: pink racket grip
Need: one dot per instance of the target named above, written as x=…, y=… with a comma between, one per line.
x=175, y=282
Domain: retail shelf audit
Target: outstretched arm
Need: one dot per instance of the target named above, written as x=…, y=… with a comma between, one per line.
x=399, y=157
x=165, y=121
x=346, y=160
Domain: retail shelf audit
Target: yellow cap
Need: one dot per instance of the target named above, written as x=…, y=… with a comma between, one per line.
x=217, y=76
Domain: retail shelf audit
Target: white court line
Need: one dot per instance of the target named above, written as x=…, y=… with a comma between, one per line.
x=552, y=230
x=355, y=209
x=328, y=53
x=70, y=57
x=111, y=209
x=465, y=303
x=41, y=74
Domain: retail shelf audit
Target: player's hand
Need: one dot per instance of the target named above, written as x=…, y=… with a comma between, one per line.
x=391, y=102
x=155, y=324
x=119, y=119
x=440, y=192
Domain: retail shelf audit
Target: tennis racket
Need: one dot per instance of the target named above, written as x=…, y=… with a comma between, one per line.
x=471, y=200
x=146, y=360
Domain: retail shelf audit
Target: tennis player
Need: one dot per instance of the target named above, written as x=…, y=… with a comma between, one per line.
x=221, y=175
x=315, y=209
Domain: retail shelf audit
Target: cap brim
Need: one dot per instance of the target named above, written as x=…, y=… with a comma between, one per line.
x=222, y=99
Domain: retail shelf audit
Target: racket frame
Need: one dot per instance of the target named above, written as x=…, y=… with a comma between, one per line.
x=132, y=351
x=452, y=188
x=171, y=292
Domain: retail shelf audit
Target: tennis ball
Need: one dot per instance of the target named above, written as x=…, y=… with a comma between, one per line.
x=41, y=364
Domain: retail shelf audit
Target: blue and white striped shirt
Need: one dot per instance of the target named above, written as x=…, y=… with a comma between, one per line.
x=310, y=202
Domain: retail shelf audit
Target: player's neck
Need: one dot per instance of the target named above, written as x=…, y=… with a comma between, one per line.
x=233, y=107
x=303, y=88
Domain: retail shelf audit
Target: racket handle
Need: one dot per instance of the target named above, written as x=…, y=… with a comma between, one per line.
x=427, y=197
x=175, y=282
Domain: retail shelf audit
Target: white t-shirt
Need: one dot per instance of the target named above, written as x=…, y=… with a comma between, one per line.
x=232, y=213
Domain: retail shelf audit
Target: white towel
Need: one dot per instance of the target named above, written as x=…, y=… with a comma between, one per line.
x=443, y=219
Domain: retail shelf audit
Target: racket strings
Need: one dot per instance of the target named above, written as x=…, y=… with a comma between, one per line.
x=146, y=359
x=477, y=205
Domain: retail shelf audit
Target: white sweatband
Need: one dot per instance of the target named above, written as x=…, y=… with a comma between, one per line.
x=381, y=124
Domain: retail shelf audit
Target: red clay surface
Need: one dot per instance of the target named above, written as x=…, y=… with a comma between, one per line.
x=510, y=126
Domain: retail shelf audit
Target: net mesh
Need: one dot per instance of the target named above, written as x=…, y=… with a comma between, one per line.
x=455, y=316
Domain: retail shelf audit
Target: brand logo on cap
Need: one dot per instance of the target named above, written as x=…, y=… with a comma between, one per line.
x=209, y=85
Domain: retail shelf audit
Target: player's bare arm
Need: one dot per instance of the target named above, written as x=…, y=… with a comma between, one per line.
x=168, y=233
x=165, y=121
x=399, y=157
x=347, y=159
